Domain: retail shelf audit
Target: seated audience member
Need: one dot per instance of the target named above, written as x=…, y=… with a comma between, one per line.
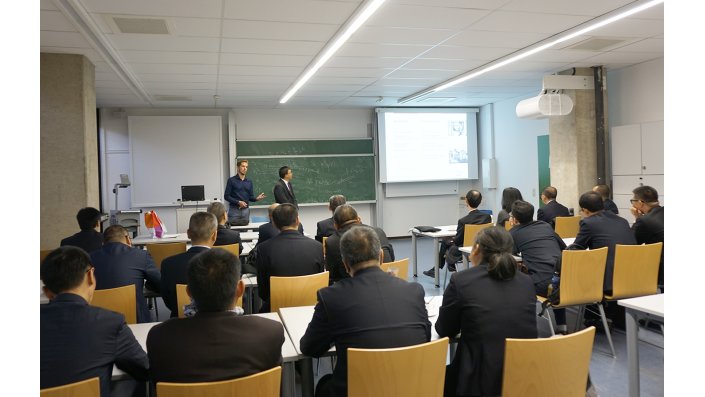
x=88, y=238
x=225, y=235
x=552, y=208
x=344, y=218
x=604, y=192
x=325, y=228
x=202, y=229
x=118, y=264
x=449, y=252
x=487, y=303
x=269, y=230
x=215, y=344
x=540, y=247
x=648, y=226
x=509, y=196
x=79, y=341
x=371, y=309
x=289, y=253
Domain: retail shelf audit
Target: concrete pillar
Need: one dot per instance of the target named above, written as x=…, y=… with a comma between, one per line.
x=69, y=145
x=573, y=148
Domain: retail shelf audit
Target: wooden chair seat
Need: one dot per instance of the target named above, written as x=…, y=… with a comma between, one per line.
x=264, y=384
x=182, y=299
x=121, y=300
x=567, y=226
x=296, y=291
x=85, y=388
x=161, y=251
x=401, y=266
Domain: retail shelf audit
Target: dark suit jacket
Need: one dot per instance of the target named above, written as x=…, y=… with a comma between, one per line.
x=540, y=248
x=213, y=346
x=118, y=265
x=611, y=206
x=648, y=229
x=334, y=260
x=472, y=218
x=79, y=342
x=283, y=195
x=287, y=254
x=486, y=312
x=227, y=236
x=324, y=228
x=604, y=229
x=268, y=230
x=350, y=313
x=89, y=240
x=174, y=271
x=550, y=211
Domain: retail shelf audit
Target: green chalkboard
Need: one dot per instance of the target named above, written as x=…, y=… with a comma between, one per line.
x=304, y=147
x=316, y=178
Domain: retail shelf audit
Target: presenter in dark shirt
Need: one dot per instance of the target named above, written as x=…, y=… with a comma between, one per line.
x=239, y=193
x=283, y=191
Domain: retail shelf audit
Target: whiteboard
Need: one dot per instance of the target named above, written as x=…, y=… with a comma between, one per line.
x=170, y=151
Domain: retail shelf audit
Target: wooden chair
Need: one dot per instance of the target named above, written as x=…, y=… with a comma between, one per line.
x=468, y=240
x=121, y=300
x=295, y=291
x=582, y=279
x=43, y=254
x=417, y=370
x=85, y=388
x=635, y=270
x=402, y=266
x=567, y=226
x=548, y=366
x=182, y=299
x=232, y=248
x=507, y=225
x=161, y=251
x=324, y=245
x=264, y=384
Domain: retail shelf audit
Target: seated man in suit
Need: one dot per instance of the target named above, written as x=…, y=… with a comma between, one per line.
x=118, y=264
x=79, y=341
x=283, y=191
x=449, y=252
x=88, y=238
x=202, y=230
x=269, y=230
x=648, y=227
x=325, y=227
x=289, y=253
x=215, y=344
x=604, y=191
x=540, y=248
x=552, y=208
x=225, y=235
x=345, y=217
x=350, y=314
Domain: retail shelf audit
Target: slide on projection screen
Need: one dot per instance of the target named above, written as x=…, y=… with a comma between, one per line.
x=427, y=144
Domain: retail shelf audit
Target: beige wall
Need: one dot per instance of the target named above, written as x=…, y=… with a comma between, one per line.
x=69, y=144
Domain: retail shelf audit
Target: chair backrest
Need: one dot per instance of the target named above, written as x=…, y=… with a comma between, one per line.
x=417, y=370
x=508, y=226
x=121, y=300
x=471, y=231
x=548, y=366
x=635, y=270
x=182, y=299
x=85, y=388
x=164, y=250
x=401, y=266
x=264, y=384
x=43, y=254
x=296, y=290
x=567, y=226
x=324, y=245
x=582, y=276
x=232, y=248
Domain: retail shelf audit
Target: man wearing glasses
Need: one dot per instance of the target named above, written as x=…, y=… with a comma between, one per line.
x=648, y=215
x=118, y=264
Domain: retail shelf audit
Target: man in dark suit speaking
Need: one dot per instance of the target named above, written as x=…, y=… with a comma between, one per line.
x=372, y=309
x=283, y=191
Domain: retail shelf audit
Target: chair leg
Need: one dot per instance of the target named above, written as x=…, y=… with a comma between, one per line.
x=156, y=308
x=445, y=275
x=550, y=321
x=579, y=318
x=607, y=329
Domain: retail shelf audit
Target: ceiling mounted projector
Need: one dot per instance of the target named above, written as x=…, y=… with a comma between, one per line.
x=554, y=103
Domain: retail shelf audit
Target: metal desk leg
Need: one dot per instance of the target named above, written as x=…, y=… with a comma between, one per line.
x=435, y=261
x=288, y=388
x=633, y=352
x=465, y=261
x=413, y=252
x=306, y=376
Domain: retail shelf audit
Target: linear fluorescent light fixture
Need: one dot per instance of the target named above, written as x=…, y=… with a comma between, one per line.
x=579, y=30
x=363, y=12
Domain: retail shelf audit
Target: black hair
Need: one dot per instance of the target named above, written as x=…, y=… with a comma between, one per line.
x=523, y=211
x=87, y=218
x=64, y=268
x=212, y=278
x=474, y=198
x=283, y=171
x=496, y=245
x=591, y=201
x=509, y=196
x=344, y=214
x=284, y=215
x=646, y=194
x=359, y=244
x=336, y=201
x=550, y=192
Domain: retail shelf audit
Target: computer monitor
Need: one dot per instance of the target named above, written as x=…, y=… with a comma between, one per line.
x=192, y=193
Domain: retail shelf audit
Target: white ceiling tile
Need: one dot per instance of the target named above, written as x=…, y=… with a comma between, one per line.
x=196, y=78
x=560, y=56
x=478, y=4
x=62, y=39
x=207, y=58
x=106, y=76
x=591, y=8
x=235, y=88
x=278, y=30
x=378, y=35
x=182, y=8
x=109, y=84
x=245, y=79
x=468, y=53
x=305, y=11
x=284, y=47
x=201, y=27
x=509, y=21
x=365, y=62
x=411, y=16
x=264, y=60
x=163, y=43
x=55, y=21
x=192, y=92
x=655, y=12
x=424, y=74
x=110, y=91
x=354, y=72
x=631, y=28
x=617, y=57
x=382, y=50
x=335, y=80
x=441, y=63
x=486, y=38
x=47, y=5
x=259, y=70
x=647, y=45
x=173, y=68
x=158, y=85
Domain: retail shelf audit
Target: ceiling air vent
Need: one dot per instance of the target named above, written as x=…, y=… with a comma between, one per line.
x=596, y=44
x=172, y=98
x=141, y=25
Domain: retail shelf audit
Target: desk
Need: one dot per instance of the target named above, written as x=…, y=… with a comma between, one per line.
x=651, y=305
x=250, y=284
x=168, y=238
x=446, y=231
x=249, y=226
x=249, y=236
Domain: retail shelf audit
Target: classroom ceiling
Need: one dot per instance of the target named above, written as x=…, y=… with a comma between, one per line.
x=249, y=52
